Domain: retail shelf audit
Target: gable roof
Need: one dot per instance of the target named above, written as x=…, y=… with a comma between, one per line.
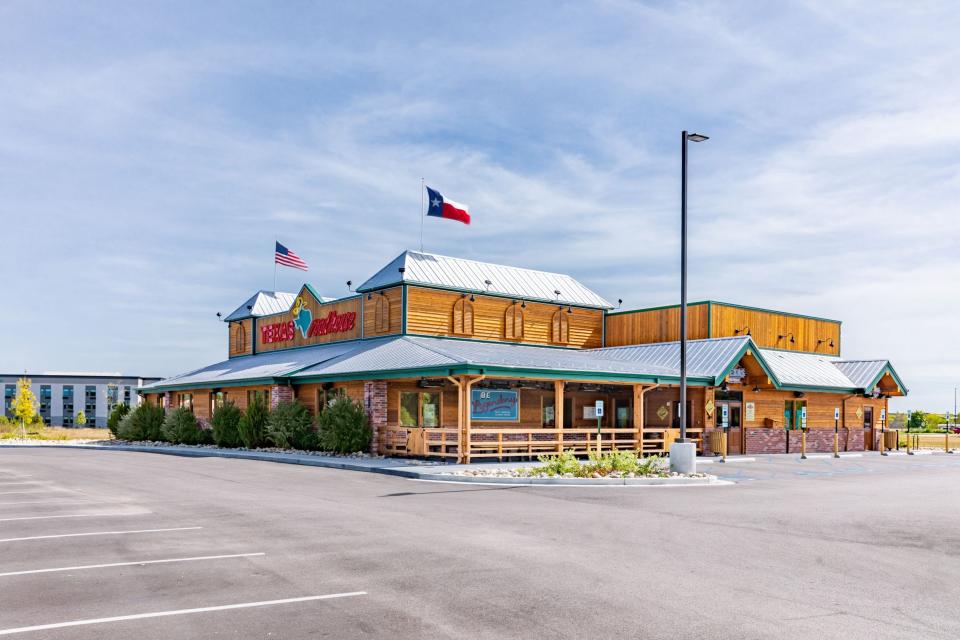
x=262, y=303
x=460, y=274
x=866, y=374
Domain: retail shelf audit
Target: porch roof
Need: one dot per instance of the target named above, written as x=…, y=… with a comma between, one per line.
x=708, y=363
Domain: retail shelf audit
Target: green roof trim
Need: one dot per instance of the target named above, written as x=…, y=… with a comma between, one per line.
x=206, y=385
x=751, y=348
x=887, y=368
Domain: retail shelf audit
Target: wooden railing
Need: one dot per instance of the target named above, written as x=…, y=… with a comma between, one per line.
x=524, y=442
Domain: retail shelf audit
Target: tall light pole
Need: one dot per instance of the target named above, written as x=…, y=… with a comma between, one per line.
x=686, y=458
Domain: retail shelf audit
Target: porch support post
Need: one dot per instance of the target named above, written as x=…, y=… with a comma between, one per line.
x=459, y=385
x=558, y=412
x=638, y=416
x=641, y=393
x=467, y=426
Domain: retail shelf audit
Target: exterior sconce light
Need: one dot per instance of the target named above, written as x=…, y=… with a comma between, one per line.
x=569, y=309
x=523, y=305
x=218, y=314
x=488, y=283
x=619, y=302
x=349, y=285
x=401, y=270
x=556, y=292
x=472, y=298
x=743, y=330
x=793, y=339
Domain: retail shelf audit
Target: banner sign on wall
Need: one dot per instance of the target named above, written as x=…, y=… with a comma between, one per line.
x=494, y=404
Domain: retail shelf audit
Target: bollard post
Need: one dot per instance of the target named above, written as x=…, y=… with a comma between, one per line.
x=909, y=450
x=803, y=444
x=946, y=441
x=723, y=445
x=883, y=436
x=836, y=438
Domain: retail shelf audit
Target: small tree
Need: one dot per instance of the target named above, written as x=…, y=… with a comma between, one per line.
x=291, y=427
x=226, y=425
x=180, y=427
x=253, y=423
x=113, y=421
x=917, y=421
x=344, y=426
x=143, y=423
x=24, y=405
x=81, y=419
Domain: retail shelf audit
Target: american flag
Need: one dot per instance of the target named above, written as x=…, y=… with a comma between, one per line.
x=288, y=258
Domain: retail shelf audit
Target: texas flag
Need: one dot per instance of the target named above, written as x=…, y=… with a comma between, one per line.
x=441, y=207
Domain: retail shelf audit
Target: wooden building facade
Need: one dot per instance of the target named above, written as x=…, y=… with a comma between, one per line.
x=466, y=360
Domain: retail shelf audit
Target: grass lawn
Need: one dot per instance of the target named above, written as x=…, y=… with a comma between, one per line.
x=41, y=432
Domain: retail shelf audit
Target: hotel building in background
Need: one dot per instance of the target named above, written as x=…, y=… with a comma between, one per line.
x=61, y=396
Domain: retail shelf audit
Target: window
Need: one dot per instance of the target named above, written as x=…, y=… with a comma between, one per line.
x=217, y=400
x=513, y=322
x=463, y=317
x=126, y=396
x=46, y=395
x=548, y=411
x=561, y=326
x=9, y=393
x=185, y=401
x=419, y=409
x=90, y=403
x=256, y=393
x=67, y=397
x=113, y=397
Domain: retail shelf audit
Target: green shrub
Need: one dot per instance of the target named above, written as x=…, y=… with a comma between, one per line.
x=226, y=425
x=180, y=427
x=143, y=423
x=113, y=421
x=343, y=426
x=621, y=462
x=253, y=423
x=291, y=427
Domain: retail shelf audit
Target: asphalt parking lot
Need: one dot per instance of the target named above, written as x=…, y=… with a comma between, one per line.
x=103, y=544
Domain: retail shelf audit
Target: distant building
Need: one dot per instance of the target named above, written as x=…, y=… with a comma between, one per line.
x=61, y=396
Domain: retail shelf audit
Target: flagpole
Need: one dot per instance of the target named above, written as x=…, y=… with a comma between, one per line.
x=275, y=266
x=422, y=185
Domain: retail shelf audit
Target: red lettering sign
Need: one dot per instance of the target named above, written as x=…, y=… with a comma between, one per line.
x=333, y=323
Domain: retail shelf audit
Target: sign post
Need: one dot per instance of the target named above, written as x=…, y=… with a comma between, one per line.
x=946, y=433
x=598, y=407
x=803, y=433
x=724, y=425
x=836, y=432
x=883, y=436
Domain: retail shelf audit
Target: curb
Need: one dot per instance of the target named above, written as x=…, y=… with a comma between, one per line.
x=400, y=471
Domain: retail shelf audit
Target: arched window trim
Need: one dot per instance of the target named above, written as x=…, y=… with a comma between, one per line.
x=463, y=316
x=513, y=322
x=239, y=338
x=382, y=314
x=560, y=326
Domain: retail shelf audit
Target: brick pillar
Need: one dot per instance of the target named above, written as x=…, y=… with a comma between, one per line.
x=375, y=403
x=280, y=393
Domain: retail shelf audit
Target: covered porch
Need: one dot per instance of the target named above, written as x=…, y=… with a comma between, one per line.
x=482, y=417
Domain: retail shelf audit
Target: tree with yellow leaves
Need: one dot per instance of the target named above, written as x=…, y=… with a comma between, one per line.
x=24, y=405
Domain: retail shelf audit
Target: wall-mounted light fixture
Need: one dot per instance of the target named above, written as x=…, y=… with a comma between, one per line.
x=619, y=302
x=350, y=285
x=569, y=309
x=556, y=292
x=744, y=330
x=793, y=339
x=523, y=305
x=473, y=298
x=402, y=270
x=218, y=314
x=799, y=394
x=249, y=307
x=756, y=389
x=488, y=283
x=829, y=342
x=369, y=296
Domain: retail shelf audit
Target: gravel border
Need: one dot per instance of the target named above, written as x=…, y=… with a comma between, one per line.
x=386, y=466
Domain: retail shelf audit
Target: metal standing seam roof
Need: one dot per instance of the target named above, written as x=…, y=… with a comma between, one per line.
x=263, y=303
x=470, y=275
x=709, y=359
x=861, y=372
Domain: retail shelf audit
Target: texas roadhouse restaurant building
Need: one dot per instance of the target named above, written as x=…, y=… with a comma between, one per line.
x=467, y=361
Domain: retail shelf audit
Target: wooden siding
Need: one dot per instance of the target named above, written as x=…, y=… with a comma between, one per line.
x=318, y=311
x=394, y=297
x=766, y=327
x=655, y=325
x=431, y=312
x=240, y=339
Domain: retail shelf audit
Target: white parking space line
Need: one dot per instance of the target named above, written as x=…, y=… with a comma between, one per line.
x=74, y=515
x=13, y=504
x=178, y=612
x=98, y=533
x=128, y=564
x=33, y=491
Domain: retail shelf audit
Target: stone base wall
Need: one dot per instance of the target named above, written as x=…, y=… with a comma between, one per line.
x=766, y=441
x=375, y=403
x=818, y=440
x=280, y=393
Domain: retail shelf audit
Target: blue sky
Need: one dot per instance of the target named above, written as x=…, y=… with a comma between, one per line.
x=151, y=153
